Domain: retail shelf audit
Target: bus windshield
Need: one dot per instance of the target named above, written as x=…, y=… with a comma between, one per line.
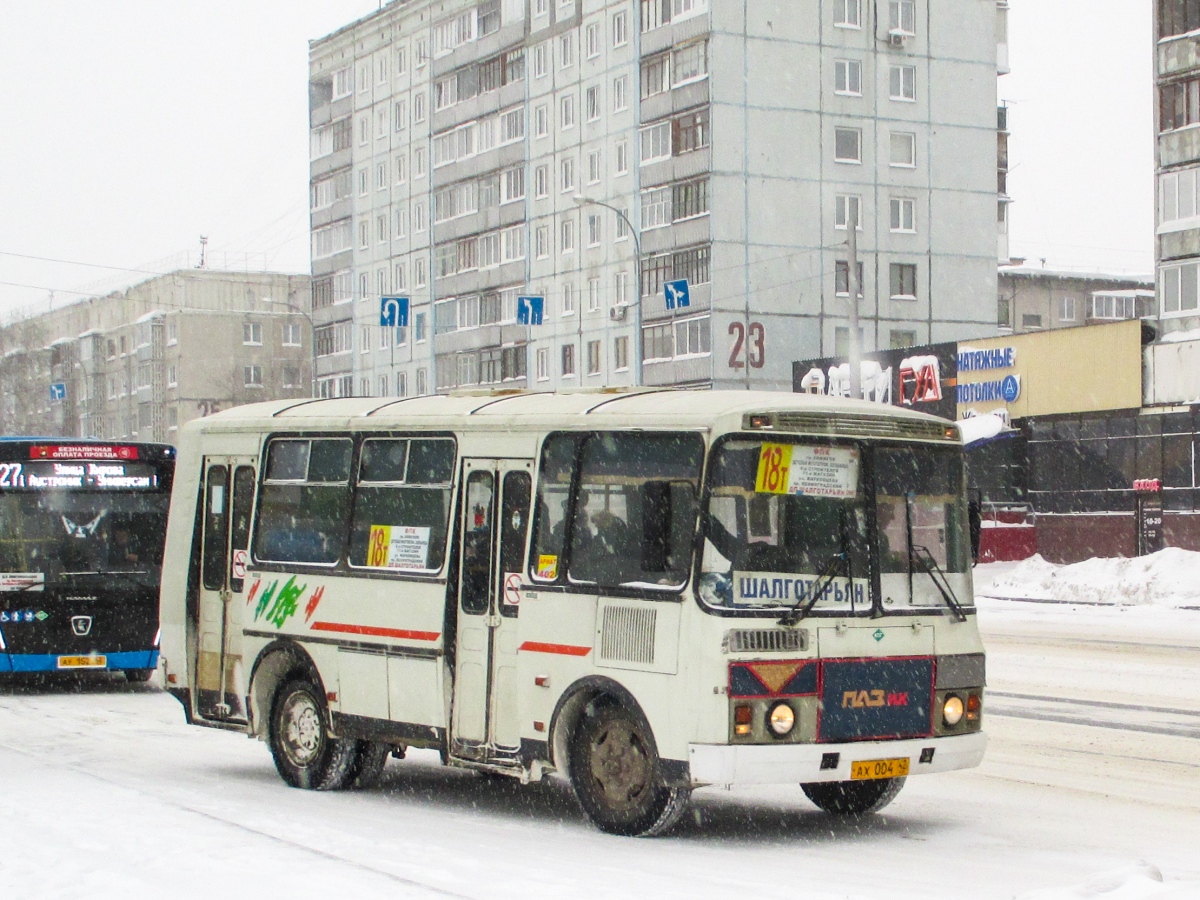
x=787, y=521
x=47, y=537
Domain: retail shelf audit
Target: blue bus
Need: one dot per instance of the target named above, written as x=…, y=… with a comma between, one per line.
x=82, y=525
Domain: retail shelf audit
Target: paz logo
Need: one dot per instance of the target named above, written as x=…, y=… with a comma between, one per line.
x=878, y=635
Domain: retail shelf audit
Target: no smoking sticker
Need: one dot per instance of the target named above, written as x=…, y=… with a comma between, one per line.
x=512, y=589
x=239, y=563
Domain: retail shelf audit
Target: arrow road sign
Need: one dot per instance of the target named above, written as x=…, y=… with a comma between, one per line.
x=677, y=294
x=58, y=391
x=393, y=312
x=530, y=310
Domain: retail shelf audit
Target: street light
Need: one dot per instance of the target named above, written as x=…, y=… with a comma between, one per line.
x=581, y=201
x=312, y=337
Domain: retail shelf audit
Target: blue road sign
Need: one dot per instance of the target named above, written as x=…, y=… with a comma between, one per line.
x=393, y=312
x=530, y=310
x=58, y=391
x=677, y=294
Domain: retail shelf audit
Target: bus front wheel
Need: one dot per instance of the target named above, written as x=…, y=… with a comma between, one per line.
x=305, y=754
x=853, y=798
x=616, y=775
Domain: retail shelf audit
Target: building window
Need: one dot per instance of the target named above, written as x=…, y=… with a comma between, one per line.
x=593, y=357
x=901, y=339
x=541, y=241
x=691, y=132
x=291, y=334
x=676, y=340
x=847, y=77
x=903, y=149
x=592, y=103
x=252, y=333
x=291, y=377
x=903, y=83
x=1031, y=321
x=568, y=299
x=1177, y=17
x=542, y=364
x=567, y=180
x=621, y=93
x=903, y=214
x=566, y=112
x=568, y=360
x=541, y=182
x=847, y=145
x=904, y=281
x=656, y=208
x=841, y=278
x=656, y=143
x=689, y=199
x=172, y=376
x=846, y=206
x=566, y=50
x=656, y=75
x=252, y=376
x=594, y=169
x=621, y=164
x=1066, y=309
x=594, y=230
x=902, y=16
x=1177, y=196
x=621, y=354
x=620, y=29
x=512, y=185
x=847, y=13
x=541, y=121
x=592, y=40
x=401, y=384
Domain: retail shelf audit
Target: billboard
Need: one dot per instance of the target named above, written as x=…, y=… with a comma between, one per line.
x=921, y=378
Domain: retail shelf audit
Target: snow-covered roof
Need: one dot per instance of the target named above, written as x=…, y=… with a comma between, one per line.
x=1179, y=337
x=150, y=316
x=1032, y=272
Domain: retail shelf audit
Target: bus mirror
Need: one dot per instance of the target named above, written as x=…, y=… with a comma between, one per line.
x=656, y=525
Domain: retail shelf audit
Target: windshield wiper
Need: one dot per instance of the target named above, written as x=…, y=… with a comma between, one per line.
x=802, y=608
x=922, y=555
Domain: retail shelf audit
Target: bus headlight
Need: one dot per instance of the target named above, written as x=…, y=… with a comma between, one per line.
x=952, y=710
x=781, y=719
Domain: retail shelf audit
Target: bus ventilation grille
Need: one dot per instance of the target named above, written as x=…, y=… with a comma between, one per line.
x=861, y=426
x=765, y=640
x=627, y=635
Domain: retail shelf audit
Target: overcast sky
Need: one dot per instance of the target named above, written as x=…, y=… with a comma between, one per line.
x=131, y=127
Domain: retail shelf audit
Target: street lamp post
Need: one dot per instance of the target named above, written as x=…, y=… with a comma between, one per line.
x=312, y=338
x=581, y=200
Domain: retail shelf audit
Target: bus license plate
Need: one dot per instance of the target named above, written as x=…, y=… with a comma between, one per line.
x=82, y=662
x=879, y=768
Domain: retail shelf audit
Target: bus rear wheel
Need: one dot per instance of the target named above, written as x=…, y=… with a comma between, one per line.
x=616, y=775
x=853, y=798
x=138, y=676
x=305, y=754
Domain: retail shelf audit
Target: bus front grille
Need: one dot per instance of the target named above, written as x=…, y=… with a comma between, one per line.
x=765, y=640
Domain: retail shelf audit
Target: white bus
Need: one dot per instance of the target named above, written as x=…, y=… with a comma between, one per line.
x=643, y=591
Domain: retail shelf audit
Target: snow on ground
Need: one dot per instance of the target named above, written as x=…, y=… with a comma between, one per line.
x=1090, y=790
x=1169, y=578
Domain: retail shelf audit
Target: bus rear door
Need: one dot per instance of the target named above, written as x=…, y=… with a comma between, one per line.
x=229, y=484
x=495, y=522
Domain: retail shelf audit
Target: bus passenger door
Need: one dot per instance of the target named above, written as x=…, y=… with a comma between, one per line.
x=495, y=523
x=228, y=504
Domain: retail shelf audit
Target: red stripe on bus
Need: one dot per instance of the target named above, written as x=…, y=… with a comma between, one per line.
x=373, y=631
x=560, y=649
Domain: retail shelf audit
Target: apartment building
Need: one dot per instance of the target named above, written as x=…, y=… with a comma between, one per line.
x=587, y=152
x=138, y=363
x=1177, y=162
x=1035, y=299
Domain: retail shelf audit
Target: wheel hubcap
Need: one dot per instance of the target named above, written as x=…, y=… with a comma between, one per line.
x=302, y=731
x=620, y=765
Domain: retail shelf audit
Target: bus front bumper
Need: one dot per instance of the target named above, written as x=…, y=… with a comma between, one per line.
x=51, y=662
x=721, y=764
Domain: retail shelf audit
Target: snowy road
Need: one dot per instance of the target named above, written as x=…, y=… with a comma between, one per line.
x=1094, y=764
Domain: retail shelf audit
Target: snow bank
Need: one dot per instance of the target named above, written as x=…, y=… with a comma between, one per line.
x=1169, y=578
x=1140, y=882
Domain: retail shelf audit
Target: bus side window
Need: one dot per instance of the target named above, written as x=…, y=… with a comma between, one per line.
x=305, y=501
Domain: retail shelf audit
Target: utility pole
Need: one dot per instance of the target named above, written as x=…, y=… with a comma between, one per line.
x=852, y=283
